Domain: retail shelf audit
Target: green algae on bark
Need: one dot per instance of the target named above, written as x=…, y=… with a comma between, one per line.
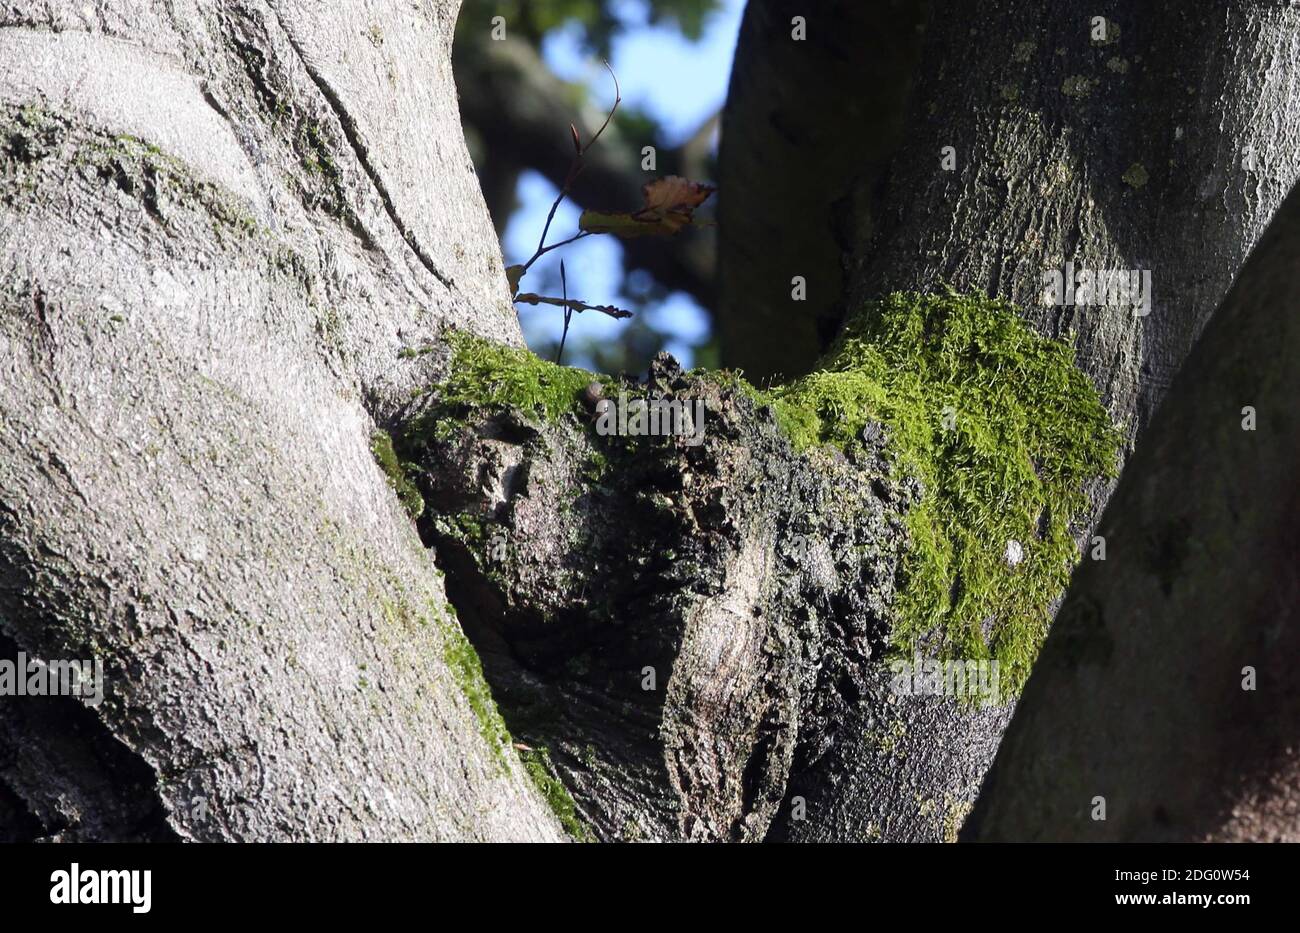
x=399, y=480
x=467, y=670
x=537, y=762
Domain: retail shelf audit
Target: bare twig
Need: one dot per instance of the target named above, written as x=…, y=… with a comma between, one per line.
x=542, y=252
x=528, y=298
x=518, y=272
x=618, y=99
x=568, y=313
x=576, y=166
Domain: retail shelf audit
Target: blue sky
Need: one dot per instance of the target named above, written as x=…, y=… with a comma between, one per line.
x=682, y=84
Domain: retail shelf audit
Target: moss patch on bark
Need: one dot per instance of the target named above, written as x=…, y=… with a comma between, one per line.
x=490, y=374
x=467, y=670
x=381, y=448
x=537, y=762
x=1004, y=433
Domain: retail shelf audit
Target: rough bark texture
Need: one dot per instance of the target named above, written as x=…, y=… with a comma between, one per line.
x=753, y=582
x=220, y=223
x=1167, y=147
x=222, y=226
x=739, y=746
x=1140, y=693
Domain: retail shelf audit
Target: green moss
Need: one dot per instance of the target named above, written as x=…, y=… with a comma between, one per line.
x=467, y=670
x=537, y=762
x=595, y=467
x=484, y=373
x=381, y=447
x=1003, y=432
x=324, y=186
x=316, y=152
x=470, y=526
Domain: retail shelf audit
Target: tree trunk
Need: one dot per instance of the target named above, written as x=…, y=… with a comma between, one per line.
x=1166, y=700
x=805, y=119
x=700, y=635
x=222, y=223
x=1164, y=146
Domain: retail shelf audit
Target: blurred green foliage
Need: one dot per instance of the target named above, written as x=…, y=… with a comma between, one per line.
x=598, y=21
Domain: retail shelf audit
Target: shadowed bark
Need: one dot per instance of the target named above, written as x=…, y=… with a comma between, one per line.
x=746, y=582
x=805, y=120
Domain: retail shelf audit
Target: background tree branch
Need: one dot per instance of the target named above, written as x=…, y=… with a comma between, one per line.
x=519, y=112
x=808, y=133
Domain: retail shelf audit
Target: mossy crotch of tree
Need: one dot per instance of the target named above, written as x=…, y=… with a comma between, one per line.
x=487, y=374
x=1003, y=432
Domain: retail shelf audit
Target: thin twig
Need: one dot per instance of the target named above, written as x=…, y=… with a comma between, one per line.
x=542, y=252
x=568, y=313
x=575, y=169
x=618, y=99
x=528, y=298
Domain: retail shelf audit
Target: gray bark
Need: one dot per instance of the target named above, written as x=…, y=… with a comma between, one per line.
x=1166, y=147
x=1167, y=686
x=751, y=581
x=741, y=732
x=220, y=223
